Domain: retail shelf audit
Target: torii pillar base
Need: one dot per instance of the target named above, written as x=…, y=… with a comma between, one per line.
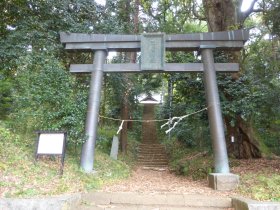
x=223, y=181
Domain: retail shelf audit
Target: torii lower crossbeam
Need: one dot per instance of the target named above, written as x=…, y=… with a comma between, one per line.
x=169, y=68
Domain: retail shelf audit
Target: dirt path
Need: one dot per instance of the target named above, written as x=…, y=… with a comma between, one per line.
x=156, y=181
x=149, y=181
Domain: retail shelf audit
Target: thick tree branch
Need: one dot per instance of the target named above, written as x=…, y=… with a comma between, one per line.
x=257, y=10
x=250, y=11
x=195, y=13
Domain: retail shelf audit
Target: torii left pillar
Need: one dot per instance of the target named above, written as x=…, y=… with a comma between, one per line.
x=87, y=157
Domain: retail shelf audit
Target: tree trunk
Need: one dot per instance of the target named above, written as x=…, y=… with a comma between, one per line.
x=220, y=14
x=131, y=57
x=223, y=15
x=241, y=140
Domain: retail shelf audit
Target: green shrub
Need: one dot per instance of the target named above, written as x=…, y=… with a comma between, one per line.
x=105, y=138
x=47, y=97
x=187, y=162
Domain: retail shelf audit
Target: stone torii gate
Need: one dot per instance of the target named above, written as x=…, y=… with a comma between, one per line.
x=152, y=47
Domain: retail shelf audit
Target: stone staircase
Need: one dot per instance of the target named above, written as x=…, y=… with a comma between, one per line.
x=139, y=201
x=151, y=154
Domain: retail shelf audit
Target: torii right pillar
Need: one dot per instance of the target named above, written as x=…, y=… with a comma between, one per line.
x=222, y=179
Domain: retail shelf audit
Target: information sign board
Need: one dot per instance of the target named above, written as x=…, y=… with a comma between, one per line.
x=51, y=143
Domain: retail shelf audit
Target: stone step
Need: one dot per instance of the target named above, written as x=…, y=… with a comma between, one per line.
x=143, y=142
x=151, y=154
x=137, y=201
x=149, y=144
x=153, y=162
x=151, y=149
x=152, y=159
x=146, y=207
x=155, y=168
x=153, y=165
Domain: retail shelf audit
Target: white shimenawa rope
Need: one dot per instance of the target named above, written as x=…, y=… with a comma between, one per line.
x=169, y=121
x=116, y=119
x=120, y=128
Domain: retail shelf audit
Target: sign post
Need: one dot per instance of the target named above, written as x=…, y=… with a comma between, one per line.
x=51, y=143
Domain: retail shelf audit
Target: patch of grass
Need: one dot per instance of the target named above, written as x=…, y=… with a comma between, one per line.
x=259, y=178
x=132, y=150
x=260, y=186
x=20, y=176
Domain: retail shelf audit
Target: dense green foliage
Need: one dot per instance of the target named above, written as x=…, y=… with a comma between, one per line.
x=272, y=16
x=45, y=92
x=41, y=92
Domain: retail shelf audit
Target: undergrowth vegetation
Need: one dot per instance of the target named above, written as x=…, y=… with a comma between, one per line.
x=189, y=162
x=261, y=186
x=259, y=178
x=104, y=143
x=20, y=176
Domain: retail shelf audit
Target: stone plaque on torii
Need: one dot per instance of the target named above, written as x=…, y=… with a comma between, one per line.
x=153, y=47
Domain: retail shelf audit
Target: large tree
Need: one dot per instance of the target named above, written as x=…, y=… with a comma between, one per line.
x=223, y=15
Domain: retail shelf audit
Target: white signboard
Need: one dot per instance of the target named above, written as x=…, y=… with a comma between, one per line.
x=51, y=143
